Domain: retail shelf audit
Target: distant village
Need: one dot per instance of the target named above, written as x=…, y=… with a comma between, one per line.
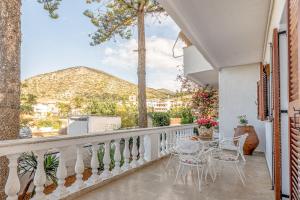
x=75, y=123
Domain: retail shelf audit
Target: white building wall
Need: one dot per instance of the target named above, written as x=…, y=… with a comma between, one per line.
x=238, y=96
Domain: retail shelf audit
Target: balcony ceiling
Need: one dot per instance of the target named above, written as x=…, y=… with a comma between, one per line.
x=226, y=32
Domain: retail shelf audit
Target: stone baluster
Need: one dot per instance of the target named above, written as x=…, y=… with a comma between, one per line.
x=163, y=144
x=40, y=176
x=61, y=174
x=117, y=158
x=106, y=161
x=79, y=169
x=167, y=142
x=12, y=186
x=141, y=151
x=126, y=155
x=134, y=153
x=94, y=164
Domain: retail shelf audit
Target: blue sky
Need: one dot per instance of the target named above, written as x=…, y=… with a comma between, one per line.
x=49, y=45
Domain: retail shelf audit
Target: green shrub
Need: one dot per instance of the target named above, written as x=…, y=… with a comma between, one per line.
x=185, y=113
x=186, y=116
x=160, y=119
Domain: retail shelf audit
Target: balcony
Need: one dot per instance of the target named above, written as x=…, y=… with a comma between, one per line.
x=141, y=176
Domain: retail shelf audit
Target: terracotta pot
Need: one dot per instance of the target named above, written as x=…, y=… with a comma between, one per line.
x=205, y=133
x=252, y=140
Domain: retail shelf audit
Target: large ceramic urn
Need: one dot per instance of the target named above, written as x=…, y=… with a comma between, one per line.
x=252, y=140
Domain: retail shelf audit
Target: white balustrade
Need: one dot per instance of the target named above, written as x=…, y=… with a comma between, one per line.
x=12, y=186
x=141, y=160
x=163, y=144
x=106, y=161
x=61, y=174
x=40, y=176
x=117, y=158
x=159, y=141
x=79, y=169
x=94, y=164
x=167, y=142
x=134, y=153
x=126, y=154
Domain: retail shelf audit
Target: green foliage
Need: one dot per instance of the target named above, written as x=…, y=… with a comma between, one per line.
x=27, y=102
x=28, y=165
x=243, y=119
x=64, y=109
x=51, y=6
x=160, y=119
x=96, y=107
x=186, y=116
x=118, y=18
x=53, y=122
x=128, y=114
x=185, y=113
x=26, y=109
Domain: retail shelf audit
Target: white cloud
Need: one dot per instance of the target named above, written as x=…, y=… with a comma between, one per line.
x=160, y=64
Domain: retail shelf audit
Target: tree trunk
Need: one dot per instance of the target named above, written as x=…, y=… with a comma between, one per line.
x=141, y=72
x=10, y=41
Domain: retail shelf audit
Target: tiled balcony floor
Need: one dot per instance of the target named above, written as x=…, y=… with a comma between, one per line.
x=154, y=183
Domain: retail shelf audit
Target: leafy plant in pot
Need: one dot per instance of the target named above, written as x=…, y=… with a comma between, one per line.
x=243, y=120
x=205, y=127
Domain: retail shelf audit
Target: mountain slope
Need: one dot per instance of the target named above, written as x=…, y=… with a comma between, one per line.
x=81, y=81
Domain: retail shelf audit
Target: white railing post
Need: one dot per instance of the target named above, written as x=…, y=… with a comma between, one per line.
x=94, y=164
x=106, y=161
x=40, y=176
x=61, y=174
x=12, y=186
x=141, y=151
x=117, y=158
x=134, y=153
x=126, y=155
x=79, y=168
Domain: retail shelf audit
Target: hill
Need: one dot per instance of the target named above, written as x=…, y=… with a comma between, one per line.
x=69, y=83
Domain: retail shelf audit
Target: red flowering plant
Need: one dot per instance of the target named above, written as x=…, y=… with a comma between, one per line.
x=205, y=102
x=207, y=122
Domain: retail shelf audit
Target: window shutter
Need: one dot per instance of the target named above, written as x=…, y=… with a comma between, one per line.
x=276, y=116
x=262, y=93
x=293, y=44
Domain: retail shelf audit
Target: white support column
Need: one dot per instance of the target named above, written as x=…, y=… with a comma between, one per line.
x=79, y=169
x=141, y=151
x=40, y=176
x=117, y=158
x=61, y=174
x=152, y=147
x=106, y=161
x=12, y=186
x=134, y=153
x=126, y=155
x=94, y=164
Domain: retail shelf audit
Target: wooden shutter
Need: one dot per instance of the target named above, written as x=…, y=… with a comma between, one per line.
x=276, y=116
x=293, y=80
x=262, y=93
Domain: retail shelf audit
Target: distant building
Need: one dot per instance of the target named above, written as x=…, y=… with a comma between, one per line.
x=80, y=125
x=42, y=109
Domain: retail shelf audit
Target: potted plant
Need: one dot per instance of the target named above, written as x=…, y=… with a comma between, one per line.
x=243, y=120
x=205, y=127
